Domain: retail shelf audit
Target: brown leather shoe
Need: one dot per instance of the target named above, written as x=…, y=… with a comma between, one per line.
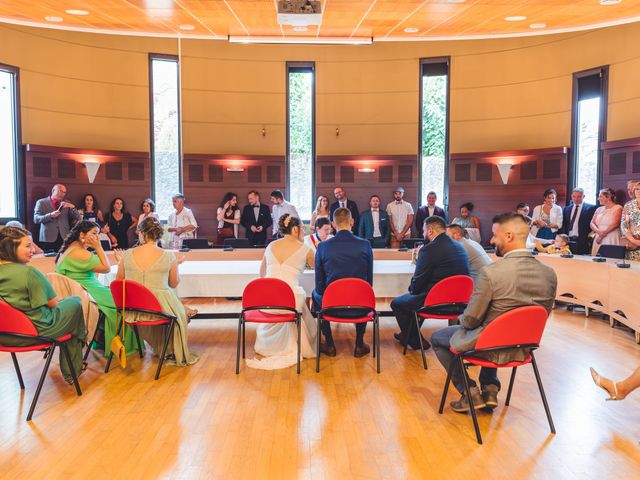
x=361, y=350
x=328, y=350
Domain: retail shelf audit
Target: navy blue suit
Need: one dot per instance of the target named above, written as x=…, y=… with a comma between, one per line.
x=343, y=256
x=365, y=229
x=584, y=226
x=355, y=213
x=437, y=260
x=423, y=213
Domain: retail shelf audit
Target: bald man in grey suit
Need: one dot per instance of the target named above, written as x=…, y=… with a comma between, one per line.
x=517, y=280
x=55, y=217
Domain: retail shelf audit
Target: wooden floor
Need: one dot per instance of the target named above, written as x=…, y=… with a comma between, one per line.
x=345, y=423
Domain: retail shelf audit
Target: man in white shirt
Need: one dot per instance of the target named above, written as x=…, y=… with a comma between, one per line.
x=401, y=218
x=577, y=222
x=374, y=224
x=428, y=210
x=280, y=207
x=182, y=224
x=478, y=258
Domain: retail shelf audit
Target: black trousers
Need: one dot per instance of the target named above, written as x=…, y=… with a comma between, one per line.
x=325, y=326
x=51, y=246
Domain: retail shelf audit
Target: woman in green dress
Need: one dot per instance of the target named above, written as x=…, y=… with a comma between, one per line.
x=157, y=269
x=77, y=263
x=25, y=288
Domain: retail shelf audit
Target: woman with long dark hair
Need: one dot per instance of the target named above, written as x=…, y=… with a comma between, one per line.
x=228, y=216
x=90, y=210
x=547, y=218
x=118, y=223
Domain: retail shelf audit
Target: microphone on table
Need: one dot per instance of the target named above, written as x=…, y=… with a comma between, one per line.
x=227, y=248
x=567, y=255
x=624, y=264
x=599, y=259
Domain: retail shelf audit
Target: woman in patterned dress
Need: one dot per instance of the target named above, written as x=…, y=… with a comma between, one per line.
x=630, y=225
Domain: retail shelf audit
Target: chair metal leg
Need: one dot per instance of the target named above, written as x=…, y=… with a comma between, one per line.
x=74, y=375
x=238, y=344
x=17, y=367
x=299, y=325
x=318, y=344
x=406, y=338
x=470, y=400
x=106, y=368
x=424, y=358
x=446, y=386
x=166, y=346
x=376, y=329
x=93, y=339
x=41, y=382
x=544, y=397
x=137, y=333
x=511, y=381
x=374, y=339
x=244, y=343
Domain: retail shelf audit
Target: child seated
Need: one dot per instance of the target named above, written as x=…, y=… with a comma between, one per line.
x=560, y=245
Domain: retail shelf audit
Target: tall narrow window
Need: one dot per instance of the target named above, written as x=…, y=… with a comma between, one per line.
x=434, y=127
x=9, y=143
x=301, y=150
x=589, y=130
x=166, y=144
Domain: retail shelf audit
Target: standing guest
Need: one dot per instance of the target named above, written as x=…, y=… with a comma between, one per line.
x=426, y=211
x=14, y=223
x=182, y=224
x=118, y=222
x=55, y=217
x=606, y=221
x=630, y=185
x=148, y=209
x=523, y=209
x=321, y=210
x=374, y=224
x=478, y=258
x=25, y=288
x=256, y=219
x=157, y=269
x=559, y=246
x=630, y=225
x=441, y=258
x=228, y=215
x=516, y=281
x=89, y=209
x=343, y=202
x=401, y=218
x=577, y=216
x=468, y=221
x=75, y=261
x=280, y=207
x=322, y=232
x=343, y=256
x=547, y=218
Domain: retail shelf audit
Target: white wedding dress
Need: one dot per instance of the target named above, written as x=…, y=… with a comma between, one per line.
x=277, y=343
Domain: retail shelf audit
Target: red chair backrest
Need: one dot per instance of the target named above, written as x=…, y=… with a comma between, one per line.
x=349, y=292
x=520, y=326
x=137, y=296
x=268, y=292
x=14, y=321
x=456, y=289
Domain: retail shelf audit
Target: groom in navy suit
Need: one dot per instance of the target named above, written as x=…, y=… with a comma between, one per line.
x=343, y=256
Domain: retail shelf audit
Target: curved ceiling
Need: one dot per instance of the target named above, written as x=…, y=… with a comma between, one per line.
x=389, y=20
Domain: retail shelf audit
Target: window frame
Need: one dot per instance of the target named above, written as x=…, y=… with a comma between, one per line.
x=18, y=154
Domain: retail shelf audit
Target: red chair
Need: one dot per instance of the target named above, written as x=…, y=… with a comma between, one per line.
x=446, y=300
x=518, y=328
x=350, y=294
x=15, y=324
x=138, y=298
x=267, y=294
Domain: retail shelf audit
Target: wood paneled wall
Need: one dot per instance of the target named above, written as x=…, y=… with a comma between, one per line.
x=621, y=162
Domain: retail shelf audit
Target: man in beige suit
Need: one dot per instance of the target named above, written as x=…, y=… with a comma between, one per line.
x=517, y=280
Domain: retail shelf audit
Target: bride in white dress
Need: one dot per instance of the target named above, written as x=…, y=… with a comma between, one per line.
x=286, y=259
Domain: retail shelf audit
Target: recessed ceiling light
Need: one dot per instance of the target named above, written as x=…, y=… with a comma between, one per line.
x=300, y=29
x=411, y=30
x=50, y=18
x=187, y=27
x=538, y=25
x=610, y=2
x=76, y=12
x=515, y=18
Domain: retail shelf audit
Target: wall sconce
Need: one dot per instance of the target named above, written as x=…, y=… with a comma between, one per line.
x=92, y=168
x=504, y=169
x=337, y=131
x=366, y=170
x=235, y=169
x=263, y=132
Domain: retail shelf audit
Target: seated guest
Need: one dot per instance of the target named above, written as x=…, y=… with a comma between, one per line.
x=468, y=221
x=516, y=281
x=442, y=257
x=280, y=207
x=14, y=223
x=157, y=269
x=322, y=232
x=426, y=211
x=321, y=210
x=256, y=219
x=148, y=209
x=76, y=262
x=118, y=222
x=400, y=218
x=606, y=221
x=89, y=209
x=343, y=202
x=55, y=217
x=26, y=289
x=630, y=225
x=547, y=218
x=343, y=256
x=577, y=218
x=559, y=246
x=228, y=216
x=478, y=258
x=182, y=224
x=374, y=224
x=523, y=209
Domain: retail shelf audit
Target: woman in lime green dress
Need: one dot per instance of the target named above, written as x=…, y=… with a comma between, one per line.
x=25, y=288
x=77, y=263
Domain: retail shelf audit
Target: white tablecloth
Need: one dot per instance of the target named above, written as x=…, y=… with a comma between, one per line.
x=227, y=279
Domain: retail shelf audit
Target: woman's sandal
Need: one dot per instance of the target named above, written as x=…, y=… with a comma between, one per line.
x=597, y=379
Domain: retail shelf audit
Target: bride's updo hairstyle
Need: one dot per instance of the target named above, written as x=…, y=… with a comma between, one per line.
x=287, y=222
x=151, y=229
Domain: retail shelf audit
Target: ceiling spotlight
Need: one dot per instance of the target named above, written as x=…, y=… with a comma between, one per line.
x=456, y=1
x=411, y=30
x=187, y=27
x=51, y=18
x=76, y=12
x=515, y=18
x=538, y=25
x=610, y=2
x=300, y=28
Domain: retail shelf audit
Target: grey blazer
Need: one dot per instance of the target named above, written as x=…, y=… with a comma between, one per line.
x=517, y=280
x=50, y=227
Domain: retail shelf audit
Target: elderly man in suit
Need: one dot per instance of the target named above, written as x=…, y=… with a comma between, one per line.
x=577, y=222
x=517, y=280
x=55, y=217
x=343, y=256
x=427, y=211
x=343, y=202
x=256, y=219
x=374, y=224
